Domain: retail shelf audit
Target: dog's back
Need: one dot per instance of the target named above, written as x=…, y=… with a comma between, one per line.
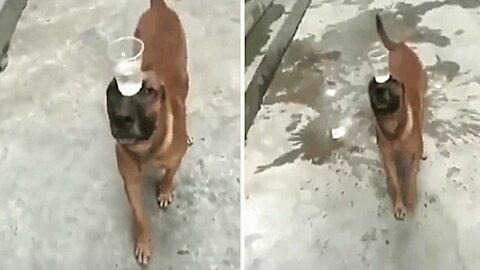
x=166, y=52
x=405, y=66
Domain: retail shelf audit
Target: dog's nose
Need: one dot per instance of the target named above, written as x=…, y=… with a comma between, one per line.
x=125, y=120
x=383, y=94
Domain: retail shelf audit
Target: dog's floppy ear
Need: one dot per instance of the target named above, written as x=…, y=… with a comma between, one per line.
x=372, y=84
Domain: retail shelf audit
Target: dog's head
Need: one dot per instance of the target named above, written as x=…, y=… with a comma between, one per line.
x=133, y=118
x=386, y=97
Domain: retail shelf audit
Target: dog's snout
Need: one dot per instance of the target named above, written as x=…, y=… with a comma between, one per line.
x=383, y=94
x=386, y=94
x=126, y=121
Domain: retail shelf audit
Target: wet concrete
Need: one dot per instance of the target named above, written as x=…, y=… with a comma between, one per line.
x=62, y=204
x=318, y=203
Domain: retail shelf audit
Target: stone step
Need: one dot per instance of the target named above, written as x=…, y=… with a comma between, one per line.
x=10, y=11
x=254, y=10
x=265, y=45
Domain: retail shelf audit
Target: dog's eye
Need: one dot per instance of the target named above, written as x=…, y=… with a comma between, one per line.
x=149, y=91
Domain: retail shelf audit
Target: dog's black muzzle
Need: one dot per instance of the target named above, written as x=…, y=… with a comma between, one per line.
x=385, y=97
x=127, y=116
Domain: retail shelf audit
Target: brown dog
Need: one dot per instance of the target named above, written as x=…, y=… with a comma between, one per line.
x=398, y=108
x=150, y=127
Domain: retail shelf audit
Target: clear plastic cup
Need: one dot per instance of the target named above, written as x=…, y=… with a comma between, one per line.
x=329, y=70
x=378, y=58
x=126, y=55
x=437, y=79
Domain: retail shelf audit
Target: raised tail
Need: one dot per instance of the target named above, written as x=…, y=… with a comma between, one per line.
x=388, y=43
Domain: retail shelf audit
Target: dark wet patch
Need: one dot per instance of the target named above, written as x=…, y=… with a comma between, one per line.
x=354, y=2
x=426, y=35
x=304, y=82
x=183, y=252
x=260, y=33
x=370, y=235
x=448, y=68
x=452, y=171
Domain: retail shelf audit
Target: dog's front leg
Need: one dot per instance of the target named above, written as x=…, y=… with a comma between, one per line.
x=165, y=195
x=399, y=210
x=412, y=177
x=130, y=170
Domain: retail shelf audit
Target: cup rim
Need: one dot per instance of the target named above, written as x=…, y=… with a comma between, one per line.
x=377, y=54
x=136, y=56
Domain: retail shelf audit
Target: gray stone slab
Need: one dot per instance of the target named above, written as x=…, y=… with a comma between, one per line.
x=263, y=74
x=317, y=203
x=263, y=34
x=10, y=11
x=253, y=11
x=62, y=204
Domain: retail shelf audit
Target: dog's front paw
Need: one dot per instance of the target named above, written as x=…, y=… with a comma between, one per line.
x=399, y=211
x=165, y=199
x=143, y=249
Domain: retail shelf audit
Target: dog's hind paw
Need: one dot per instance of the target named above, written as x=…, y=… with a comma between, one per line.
x=165, y=199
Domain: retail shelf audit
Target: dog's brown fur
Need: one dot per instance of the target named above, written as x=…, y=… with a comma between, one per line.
x=165, y=66
x=404, y=126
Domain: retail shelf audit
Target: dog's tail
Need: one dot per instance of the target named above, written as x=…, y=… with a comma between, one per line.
x=155, y=2
x=388, y=43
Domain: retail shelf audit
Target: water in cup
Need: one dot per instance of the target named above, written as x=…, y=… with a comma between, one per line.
x=129, y=77
x=437, y=79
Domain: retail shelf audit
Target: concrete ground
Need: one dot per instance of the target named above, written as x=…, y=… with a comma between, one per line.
x=316, y=203
x=62, y=204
